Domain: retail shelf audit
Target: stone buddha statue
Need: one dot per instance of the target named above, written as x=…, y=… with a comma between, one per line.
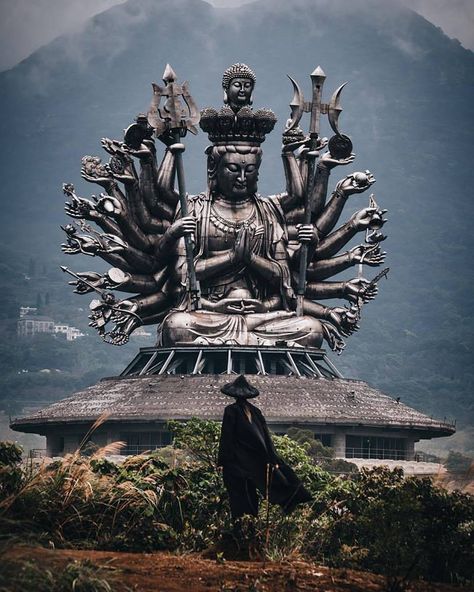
x=241, y=242
x=246, y=248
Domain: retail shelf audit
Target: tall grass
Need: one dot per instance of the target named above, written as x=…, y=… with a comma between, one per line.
x=78, y=576
x=174, y=499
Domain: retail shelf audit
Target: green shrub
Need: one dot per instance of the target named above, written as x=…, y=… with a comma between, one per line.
x=401, y=527
x=320, y=454
x=174, y=499
x=200, y=438
x=11, y=475
x=458, y=463
x=79, y=576
x=10, y=454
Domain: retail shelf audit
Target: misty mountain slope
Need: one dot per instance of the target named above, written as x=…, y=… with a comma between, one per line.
x=408, y=109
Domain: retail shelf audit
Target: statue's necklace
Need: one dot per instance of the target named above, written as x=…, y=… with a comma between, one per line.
x=229, y=226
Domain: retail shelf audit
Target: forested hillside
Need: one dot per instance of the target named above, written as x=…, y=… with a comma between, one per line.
x=408, y=109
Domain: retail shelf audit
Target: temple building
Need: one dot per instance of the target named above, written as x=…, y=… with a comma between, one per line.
x=235, y=281
x=297, y=389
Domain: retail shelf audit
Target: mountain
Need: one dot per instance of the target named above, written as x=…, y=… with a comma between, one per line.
x=408, y=109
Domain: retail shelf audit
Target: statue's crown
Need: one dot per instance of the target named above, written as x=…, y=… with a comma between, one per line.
x=247, y=127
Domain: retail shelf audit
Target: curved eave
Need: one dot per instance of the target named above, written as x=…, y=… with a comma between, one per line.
x=283, y=400
x=42, y=426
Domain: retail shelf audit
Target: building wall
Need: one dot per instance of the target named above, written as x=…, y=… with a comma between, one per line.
x=71, y=333
x=146, y=436
x=61, y=440
x=31, y=326
x=337, y=437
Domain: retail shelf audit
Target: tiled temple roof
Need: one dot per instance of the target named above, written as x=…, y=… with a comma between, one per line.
x=283, y=399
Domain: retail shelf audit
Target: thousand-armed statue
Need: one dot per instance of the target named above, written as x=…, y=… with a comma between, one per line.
x=226, y=266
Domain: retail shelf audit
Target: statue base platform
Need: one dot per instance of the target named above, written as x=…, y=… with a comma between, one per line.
x=264, y=361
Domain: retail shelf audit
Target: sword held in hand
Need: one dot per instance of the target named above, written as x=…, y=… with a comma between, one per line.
x=371, y=284
x=377, y=278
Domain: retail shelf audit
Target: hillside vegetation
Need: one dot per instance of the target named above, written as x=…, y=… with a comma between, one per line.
x=408, y=109
x=174, y=500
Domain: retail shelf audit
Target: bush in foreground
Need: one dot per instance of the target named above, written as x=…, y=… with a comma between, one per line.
x=174, y=499
x=79, y=576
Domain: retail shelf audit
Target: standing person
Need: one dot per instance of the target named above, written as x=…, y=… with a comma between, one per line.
x=249, y=460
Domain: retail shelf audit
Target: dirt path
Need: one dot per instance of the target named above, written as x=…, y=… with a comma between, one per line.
x=164, y=572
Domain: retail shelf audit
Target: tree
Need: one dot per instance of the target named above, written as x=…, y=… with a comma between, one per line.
x=32, y=267
x=458, y=463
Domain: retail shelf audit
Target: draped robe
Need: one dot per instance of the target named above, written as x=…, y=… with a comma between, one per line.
x=278, y=324
x=249, y=460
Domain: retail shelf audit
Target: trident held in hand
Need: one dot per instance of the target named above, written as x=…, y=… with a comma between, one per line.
x=340, y=147
x=174, y=111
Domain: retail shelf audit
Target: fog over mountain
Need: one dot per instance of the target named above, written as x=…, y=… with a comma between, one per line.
x=25, y=26
x=408, y=109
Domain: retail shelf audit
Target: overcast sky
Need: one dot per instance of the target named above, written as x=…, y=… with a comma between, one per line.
x=26, y=25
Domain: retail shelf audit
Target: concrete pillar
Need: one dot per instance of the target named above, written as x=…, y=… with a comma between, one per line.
x=53, y=444
x=71, y=443
x=50, y=444
x=339, y=444
x=410, y=449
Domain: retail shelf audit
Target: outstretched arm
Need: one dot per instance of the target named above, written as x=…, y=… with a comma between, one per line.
x=345, y=319
x=108, y=205
x=353, y=290
x=123, y=170
x=325, y=268
x=156, y=186
x=320, y=189
x=81, y=208
x=165, y=181
x=295, y=185
x=354, y=183
x=126, y=315
x=333, y=243
x=145, y=220
x=118, y=279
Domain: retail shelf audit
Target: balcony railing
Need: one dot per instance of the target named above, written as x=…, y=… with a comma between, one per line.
x=140, y=448
x=376, y=453
x=37, y=453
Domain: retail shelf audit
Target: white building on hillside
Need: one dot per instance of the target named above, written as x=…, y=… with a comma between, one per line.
x=31, y=325
x=71, y=333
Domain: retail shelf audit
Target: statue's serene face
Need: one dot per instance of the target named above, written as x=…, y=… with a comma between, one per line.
x=237, y=175
x=239, y=92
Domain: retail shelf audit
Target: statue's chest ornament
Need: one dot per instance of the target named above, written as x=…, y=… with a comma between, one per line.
x=232, y=226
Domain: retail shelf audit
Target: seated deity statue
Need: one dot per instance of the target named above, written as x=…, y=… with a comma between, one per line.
x=241, y=242
x=241, y=264
x=246, y=251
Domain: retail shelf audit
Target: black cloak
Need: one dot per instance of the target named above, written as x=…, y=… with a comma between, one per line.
x=246, y=452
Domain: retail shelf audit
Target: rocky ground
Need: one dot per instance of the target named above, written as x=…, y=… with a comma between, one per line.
x=164, y=572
